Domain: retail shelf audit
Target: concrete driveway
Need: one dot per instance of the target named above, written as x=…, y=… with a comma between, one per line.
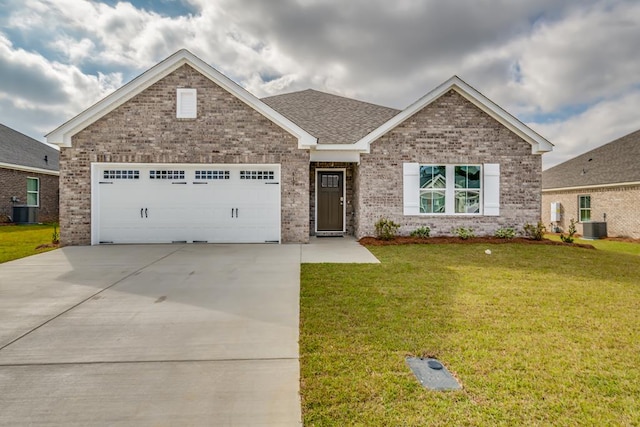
x=156, y=335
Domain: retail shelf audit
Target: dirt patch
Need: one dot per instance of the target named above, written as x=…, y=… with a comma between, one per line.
x=407, y=240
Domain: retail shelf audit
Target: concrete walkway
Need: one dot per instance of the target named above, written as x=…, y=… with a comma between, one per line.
x=336, y=250
x=158, y=335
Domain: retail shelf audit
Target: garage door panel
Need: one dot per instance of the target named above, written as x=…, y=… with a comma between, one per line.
x=202, y=203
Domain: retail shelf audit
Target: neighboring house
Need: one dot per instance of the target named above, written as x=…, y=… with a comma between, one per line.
x=183, y=154
x=602, y=185
x=28, y=176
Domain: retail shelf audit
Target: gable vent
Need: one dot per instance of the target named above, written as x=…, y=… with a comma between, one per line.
x=187, y=104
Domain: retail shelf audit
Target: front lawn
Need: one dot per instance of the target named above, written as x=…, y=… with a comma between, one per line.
x=19, y=241
x=537, y=335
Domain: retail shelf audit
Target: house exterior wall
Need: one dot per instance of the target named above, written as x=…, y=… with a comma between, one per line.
x=619, y=203
x=450, y=130
x=349, y=193
x=14, y=183
x=145, y=130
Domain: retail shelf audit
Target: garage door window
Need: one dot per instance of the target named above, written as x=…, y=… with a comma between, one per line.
x=268, y=175
x=121, y=174
x=212, y=174
x=166, y=174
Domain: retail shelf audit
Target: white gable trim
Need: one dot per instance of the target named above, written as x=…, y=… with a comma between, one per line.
x=62, y=135
x=539, y=145
x=28, y=169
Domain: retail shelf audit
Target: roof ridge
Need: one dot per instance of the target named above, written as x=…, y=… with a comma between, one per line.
x=330, y=94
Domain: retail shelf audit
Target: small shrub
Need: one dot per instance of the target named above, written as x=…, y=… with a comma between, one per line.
x=506, y=233
x=421, y=232
x=464, y=233
x=570, y=232
x=55, y=236
x=535, y=232
x=386, y=229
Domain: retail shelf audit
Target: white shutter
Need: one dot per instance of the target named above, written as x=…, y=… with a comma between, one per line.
x=187, y=104
x=491, y=189
x=411, y=188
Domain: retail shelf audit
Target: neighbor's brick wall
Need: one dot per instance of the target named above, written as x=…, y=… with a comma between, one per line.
x=451, y=130
x=145, y=130
x=14, y=183
x=619, y=203
x=349, y=199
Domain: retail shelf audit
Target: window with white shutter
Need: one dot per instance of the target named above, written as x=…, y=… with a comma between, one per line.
x=438, y=189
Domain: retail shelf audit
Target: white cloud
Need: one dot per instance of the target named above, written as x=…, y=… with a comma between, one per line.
x=604, y=122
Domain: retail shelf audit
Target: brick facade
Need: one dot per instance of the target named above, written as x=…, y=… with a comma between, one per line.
x=618, y=203
x=14, y=183
x=450, y=130
x=145, y=130
x=349, y=193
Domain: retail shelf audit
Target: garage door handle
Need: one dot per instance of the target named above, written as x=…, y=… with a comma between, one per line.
x=145, y=213
x=141, y=212
x=236, y=212
x=231, y=212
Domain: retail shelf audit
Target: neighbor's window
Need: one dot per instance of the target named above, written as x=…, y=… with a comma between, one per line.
x=584, y=203
x=450, y=189
x=33, y=191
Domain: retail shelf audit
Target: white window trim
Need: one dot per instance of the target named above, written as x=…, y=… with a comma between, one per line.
x=186, y=103
x=580, y=209
x=489, y=190
x=37, y=192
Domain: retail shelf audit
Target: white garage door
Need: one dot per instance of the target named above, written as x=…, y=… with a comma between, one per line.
x=167, y=203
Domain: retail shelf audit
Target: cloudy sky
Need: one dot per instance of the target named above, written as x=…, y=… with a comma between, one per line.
x=570, y=69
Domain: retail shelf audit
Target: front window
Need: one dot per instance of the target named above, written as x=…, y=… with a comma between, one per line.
x=33, y=191
x=433, y=182
x=467, y=189
x=584, y=203
x=450, y=189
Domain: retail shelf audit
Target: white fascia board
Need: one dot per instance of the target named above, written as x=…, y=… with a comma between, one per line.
x=591, y=187
x=539, y=144
x=28, y=169
x=62, y=135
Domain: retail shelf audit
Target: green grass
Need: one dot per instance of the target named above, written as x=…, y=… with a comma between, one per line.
x=19, y=241
x=537, y=335
x=605, y=245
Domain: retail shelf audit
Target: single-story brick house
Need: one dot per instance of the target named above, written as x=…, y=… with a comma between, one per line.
x=184, y=154
x=601, y=185
x=28, y=177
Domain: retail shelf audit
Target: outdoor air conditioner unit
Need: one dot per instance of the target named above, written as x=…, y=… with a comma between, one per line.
x=556, y=212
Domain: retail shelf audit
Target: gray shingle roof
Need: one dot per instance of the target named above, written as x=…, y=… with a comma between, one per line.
x=332, y=119
x=612, y=163
x=21, y=150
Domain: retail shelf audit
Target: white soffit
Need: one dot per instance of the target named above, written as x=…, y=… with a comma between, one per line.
x=539, y=144
x=62, y=135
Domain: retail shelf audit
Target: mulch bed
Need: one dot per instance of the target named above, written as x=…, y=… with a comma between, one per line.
x=406, y=240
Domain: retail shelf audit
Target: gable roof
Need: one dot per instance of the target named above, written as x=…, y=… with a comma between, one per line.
x=613, y=163
x=539, y=144
x=62, y=135
x=18, y=151
x=331, y=118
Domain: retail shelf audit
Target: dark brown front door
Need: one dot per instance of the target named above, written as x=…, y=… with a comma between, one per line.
x=330, y=201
